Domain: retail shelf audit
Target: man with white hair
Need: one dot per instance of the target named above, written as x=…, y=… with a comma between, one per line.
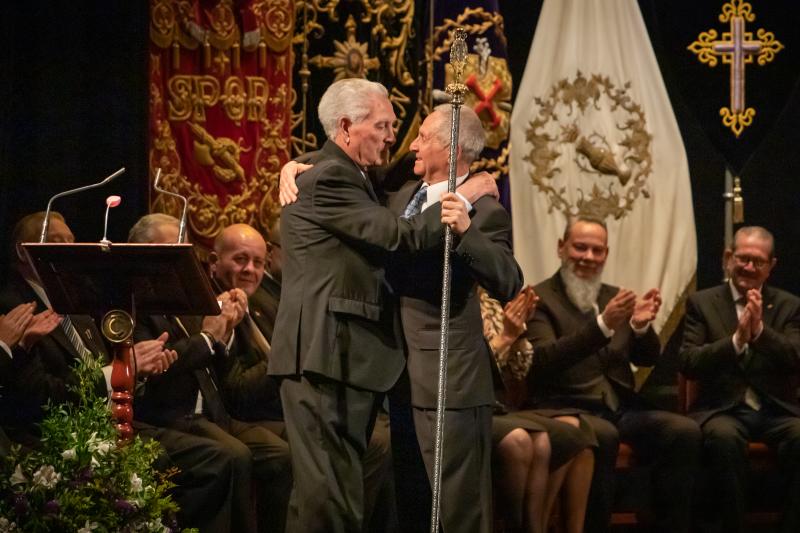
x=481, y=256
x=585, y=335
x=337, y=344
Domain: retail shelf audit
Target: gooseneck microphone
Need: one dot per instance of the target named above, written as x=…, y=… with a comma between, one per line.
x=111, y=201
x=182, y=226
x=46, y=221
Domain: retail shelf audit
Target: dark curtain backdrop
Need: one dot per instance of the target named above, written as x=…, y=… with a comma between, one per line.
x=73, y=101
x=73, y=108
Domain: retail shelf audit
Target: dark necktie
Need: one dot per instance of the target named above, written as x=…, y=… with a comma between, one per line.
x=213, y=406
x=414, y=207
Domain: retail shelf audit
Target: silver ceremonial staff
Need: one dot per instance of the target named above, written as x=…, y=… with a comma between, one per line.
x=456, y=90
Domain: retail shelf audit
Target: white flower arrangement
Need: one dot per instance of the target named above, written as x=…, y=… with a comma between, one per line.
x=81, y=479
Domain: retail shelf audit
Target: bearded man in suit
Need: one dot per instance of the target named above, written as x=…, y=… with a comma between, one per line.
x=741, y=344
x=585, y=335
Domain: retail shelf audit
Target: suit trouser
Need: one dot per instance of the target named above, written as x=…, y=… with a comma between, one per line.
x=669, y=442
x=328, y=424
x=726, y=435
x=203, y=485
x=466, y=486
x=256, y=453
x=380, y=513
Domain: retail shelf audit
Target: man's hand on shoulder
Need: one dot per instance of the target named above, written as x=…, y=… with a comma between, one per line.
x=287, y=187
x=479, y=185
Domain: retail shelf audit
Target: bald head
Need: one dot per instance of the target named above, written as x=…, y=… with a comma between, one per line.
x=238, y=259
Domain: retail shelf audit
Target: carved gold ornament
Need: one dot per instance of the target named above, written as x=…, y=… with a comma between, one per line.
x=490, y=86
x=590, y=151
x=351, y=59
x=737, y=48
x=390, y=25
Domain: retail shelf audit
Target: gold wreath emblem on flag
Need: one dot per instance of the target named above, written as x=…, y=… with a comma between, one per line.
x=590, y=150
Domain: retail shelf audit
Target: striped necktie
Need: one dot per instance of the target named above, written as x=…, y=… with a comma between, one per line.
x=414, y=207
x=75, y=338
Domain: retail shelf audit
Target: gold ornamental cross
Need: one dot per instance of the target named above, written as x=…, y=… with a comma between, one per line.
x=737, y=48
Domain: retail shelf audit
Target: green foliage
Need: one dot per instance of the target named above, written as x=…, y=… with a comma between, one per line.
x=80, y=479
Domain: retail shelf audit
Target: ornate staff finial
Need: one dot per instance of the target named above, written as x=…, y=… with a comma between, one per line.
x=458, y=60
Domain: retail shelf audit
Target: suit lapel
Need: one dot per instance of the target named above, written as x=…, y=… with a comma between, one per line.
x=768, y=305
x=726, y=309
x=331, y=149
x=402, y=197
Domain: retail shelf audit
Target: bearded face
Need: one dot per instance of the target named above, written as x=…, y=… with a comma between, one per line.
x=583, y=255
x=581, y=291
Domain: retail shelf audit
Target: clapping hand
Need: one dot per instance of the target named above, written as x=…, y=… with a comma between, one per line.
x=755, y=305
x=41, y=324
x=13, y=324
x=619, y=309
x=518, y=312
x=151, y=356
x=646, y=309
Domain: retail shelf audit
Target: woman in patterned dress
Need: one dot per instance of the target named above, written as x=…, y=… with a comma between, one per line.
x=533, y=455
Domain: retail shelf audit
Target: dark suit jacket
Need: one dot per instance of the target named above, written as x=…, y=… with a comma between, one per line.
x=337, y=318
x=48, y=370
x=482, y=256
x=173, y=394
x=771, y=365
x=250, y=394
x=574, y=363
x=266, y=305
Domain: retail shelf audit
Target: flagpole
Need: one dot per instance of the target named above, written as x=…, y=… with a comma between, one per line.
x=456, y=90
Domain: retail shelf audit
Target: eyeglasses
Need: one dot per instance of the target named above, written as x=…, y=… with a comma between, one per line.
x=743, y=260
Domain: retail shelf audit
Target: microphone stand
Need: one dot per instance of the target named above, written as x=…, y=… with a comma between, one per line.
x=456, y=90
x=182, y=226
x=46, y=222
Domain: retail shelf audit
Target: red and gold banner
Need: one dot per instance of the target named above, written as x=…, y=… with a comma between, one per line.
x=220, y=109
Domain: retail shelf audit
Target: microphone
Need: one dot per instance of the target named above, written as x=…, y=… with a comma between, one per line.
x=182, y=226
x=46, y=221
x=111, y=201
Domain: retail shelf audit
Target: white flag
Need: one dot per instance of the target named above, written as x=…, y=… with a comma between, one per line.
x=593, y=131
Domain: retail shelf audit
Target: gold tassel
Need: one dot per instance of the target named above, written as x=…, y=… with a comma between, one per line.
x=738, y=202
x=236, y=58
x=262, y=55
x=176, y=55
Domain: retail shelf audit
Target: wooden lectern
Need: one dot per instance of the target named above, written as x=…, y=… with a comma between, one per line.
x=118, y=282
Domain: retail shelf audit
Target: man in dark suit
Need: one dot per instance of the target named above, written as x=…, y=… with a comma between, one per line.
x=46, y=371
x=250, y=393
x=337, y=340
x=187, y=400
x=271, y=282
x=586, y=335
x=742, y=344
x=482, y=255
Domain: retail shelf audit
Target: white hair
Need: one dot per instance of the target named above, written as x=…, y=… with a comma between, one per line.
x=471, y=137
x=349, y=98
x=143, y=230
